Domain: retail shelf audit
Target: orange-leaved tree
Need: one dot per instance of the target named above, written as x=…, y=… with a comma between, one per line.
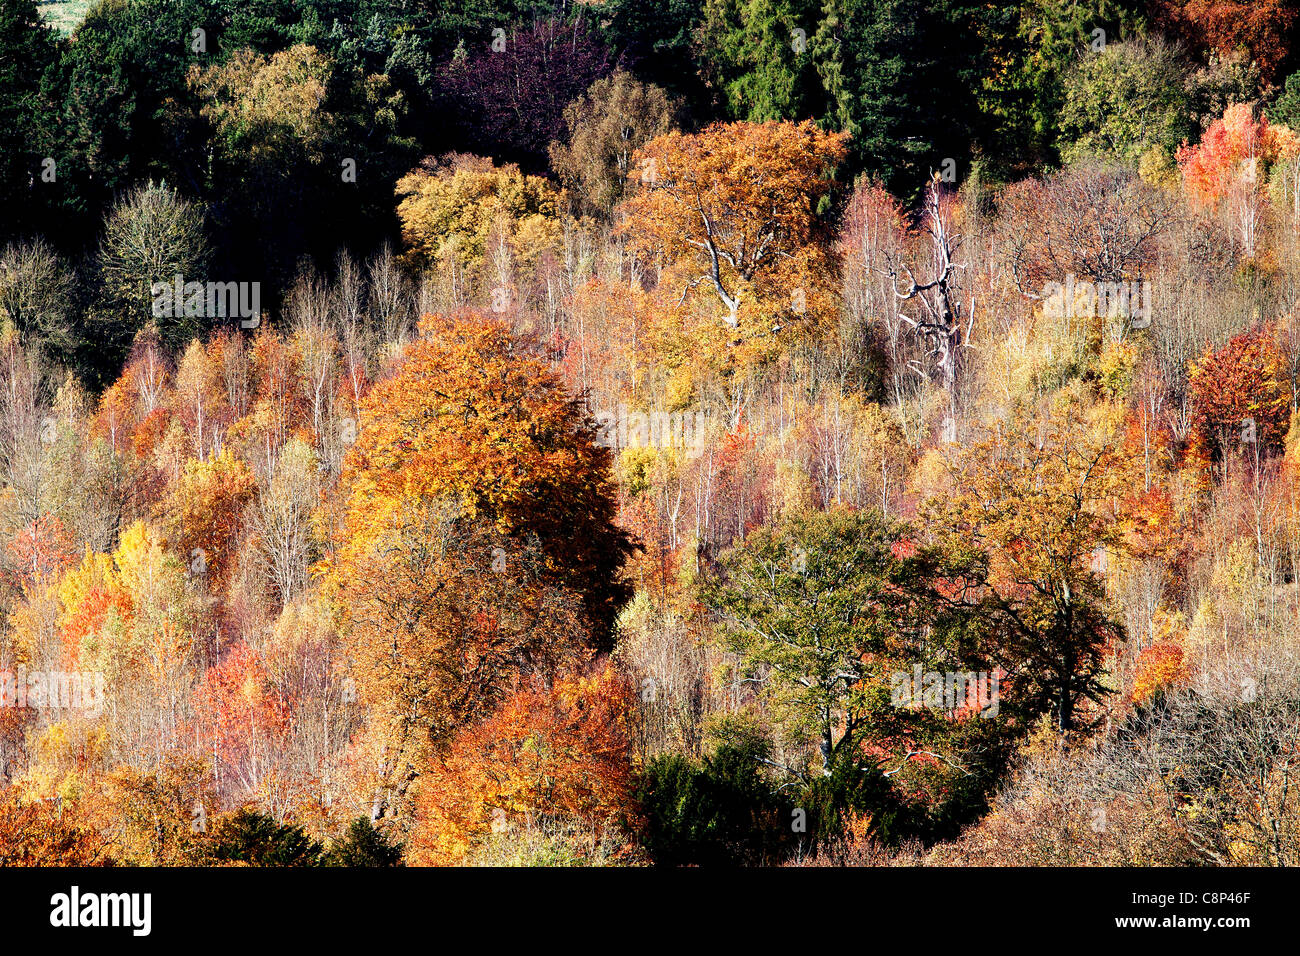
x=1257, y=27
x=440, y=613
x=37, y=833
x=1027, y=527
x=477, y=417
x=1241, y=397
x=207, y=514
x=241, y=715
x=732, y=211
x=558, y=754
x=1237, y=149
x=476, y=542
x=1161, y=667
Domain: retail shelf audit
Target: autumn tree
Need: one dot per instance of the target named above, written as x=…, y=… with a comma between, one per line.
x=449, y=208
x=474, y=416
x=39, y=833
x=1161, y=667
x=1229, y=168
x=280, y=402
x=201, y=406
x=148, y=666
x=1259, y=27
x=477, y=539
x=281, y=519
x=242, y=717
x=207, y=514
x=439, y=613
x=732, y=211
x=1237, y=146
x=96, y=609
x=1031, y=513
x=871, y=235
x=1241, y=396
x=546, y=756
x=158, y=817
x=267, y=105
x=606, y=126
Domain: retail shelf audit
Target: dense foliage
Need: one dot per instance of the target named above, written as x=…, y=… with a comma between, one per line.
x=707, y=432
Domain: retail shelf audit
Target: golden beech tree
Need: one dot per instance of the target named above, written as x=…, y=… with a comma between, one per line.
x=450, y=205
x=473, y=415
x=477, y=539
x=156, y=817
x=36, y=833
x=732, y=211
x=558, y=753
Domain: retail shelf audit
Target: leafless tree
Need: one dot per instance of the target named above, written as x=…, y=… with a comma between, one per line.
x=1097, y=221
x=938, y=315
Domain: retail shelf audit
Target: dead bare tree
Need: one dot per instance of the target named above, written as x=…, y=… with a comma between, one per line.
x=941, y=321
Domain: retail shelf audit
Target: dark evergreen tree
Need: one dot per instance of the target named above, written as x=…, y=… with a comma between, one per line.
x=363, y=845
x=29, y=186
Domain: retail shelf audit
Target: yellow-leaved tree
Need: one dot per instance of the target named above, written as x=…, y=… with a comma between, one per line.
x=450, y=206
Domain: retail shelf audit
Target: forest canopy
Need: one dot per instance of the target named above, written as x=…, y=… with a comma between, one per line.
x=723, y=432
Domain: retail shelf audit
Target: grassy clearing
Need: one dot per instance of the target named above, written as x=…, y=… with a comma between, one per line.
x=64, y=15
